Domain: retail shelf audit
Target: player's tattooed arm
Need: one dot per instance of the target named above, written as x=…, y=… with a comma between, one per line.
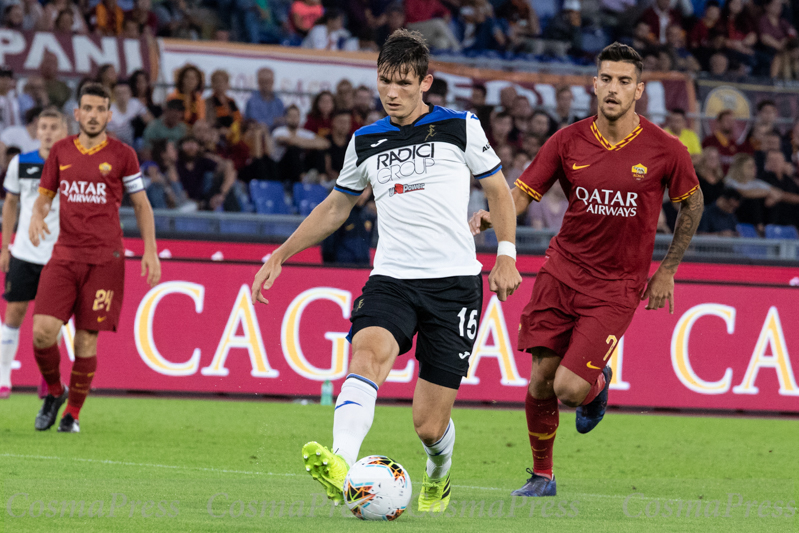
x=687, y=222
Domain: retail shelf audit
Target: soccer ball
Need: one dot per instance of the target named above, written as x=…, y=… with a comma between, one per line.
x=377, y=488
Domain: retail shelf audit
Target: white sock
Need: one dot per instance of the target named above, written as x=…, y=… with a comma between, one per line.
x=439, y=455
x=9, y=342
x=355, y=410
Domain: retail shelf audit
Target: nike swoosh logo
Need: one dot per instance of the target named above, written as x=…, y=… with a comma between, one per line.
x=378, y=143
x=32, y=170
x=589, y=365
x=101, y=318
x=576, y=167
x=63, y=167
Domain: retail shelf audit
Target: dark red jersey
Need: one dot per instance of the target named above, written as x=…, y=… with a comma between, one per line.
x=91, y=184
x=604, y=247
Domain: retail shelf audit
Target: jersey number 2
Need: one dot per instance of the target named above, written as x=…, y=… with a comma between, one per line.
x=471, y=328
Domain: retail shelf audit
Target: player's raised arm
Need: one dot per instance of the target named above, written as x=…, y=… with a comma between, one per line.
x=504, y=278
x=326, y=218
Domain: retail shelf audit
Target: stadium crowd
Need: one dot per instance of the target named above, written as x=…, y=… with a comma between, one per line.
x=200, y=151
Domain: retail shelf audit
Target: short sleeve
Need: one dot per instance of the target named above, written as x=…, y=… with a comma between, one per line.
x=682, y=181
x=481, y=158
x=48, y=185
x=11, y=182
x=351, y=180
x=545, y=169
x=131, y=173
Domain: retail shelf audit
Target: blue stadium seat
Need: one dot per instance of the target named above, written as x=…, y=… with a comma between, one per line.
x=269, y=198
x=308, y=196
x=751, y=251
x=747, y=230
x=774, y=231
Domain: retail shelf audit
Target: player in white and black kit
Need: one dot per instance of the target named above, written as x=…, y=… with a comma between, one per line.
x=418, y=162
x=25, y=262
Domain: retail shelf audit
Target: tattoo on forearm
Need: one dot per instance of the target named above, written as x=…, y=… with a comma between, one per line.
x=687, y=221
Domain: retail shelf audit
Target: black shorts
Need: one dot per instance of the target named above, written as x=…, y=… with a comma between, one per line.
x=22, y=280
x=444, y=311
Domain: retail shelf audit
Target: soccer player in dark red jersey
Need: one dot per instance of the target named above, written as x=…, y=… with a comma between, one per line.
x=86, y=274
x=614, y=168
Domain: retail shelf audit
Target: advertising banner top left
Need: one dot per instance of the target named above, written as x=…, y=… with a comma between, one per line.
x=77, y=56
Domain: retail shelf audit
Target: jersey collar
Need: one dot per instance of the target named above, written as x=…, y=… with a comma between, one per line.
x=619, y=145
x=91, y=151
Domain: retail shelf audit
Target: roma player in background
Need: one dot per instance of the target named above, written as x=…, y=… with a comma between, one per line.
x=86, y=275
x=614, y=168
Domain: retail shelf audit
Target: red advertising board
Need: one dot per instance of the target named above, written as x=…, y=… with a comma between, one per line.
x=727, y=346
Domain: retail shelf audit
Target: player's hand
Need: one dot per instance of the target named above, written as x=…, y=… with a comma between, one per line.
x=480, y=221
x=5, y=259
x=37, y=229
x=659, y=289
x=504, y=279
x=151, y=267
x=265, y=278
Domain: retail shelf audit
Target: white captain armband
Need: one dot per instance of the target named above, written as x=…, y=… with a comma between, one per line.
x=133, y=183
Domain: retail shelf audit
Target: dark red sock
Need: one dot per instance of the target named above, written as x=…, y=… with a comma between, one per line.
x=49, y=360
x=542, y=424
x=79, y=382
x=596, y=388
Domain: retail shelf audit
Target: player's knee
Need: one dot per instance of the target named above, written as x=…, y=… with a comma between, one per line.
x=368, y=364
x=43, y=336
x=429, y=431
x=570, y=394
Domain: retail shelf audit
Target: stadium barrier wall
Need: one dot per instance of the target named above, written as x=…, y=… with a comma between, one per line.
x=730, y=345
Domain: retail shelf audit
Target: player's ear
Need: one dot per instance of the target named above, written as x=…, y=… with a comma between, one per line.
x=427, y=81
x=639, y=90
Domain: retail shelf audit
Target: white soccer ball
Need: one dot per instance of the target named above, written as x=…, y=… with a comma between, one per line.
x=377, y=488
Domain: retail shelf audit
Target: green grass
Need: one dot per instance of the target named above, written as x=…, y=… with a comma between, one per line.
x=180, y=453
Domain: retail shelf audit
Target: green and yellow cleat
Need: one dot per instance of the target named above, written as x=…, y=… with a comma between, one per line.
x=327, y=468
x=435, y=494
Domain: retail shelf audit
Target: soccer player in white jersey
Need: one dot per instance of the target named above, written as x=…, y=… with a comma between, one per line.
x=24, y=264
x=426, y=279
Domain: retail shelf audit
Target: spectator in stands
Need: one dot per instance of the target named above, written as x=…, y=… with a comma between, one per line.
x=437, y=95
x=339, y=139
x=207, y=181
x=363, y=104
x=723, y=138
x=477, y=105
x=531, y=144
x=107, y=77
x=564, y=114
x=520, y=22
x=549, y=212
x=108, y=18
x=779, y=174
x=9, y=105
x=394, y=20
x=320, y=118
x=681, y=57
x=124, y=109
x=221, y=110
x=707, y=35
x=261, y=145
x=345, y=95
x=175, y=19
x=142, y=91
x=54, y=11
x=678, y=126
x=507, y=97
x=144, y=17
x=757, y=194
x=541, y=124
x=501, y=126
x=710, y=174
x=13, y=17
x=641, y=38
x=792, y=144
x=774, y=32
x=740, y=33
x=58, y=92
x=32, y=15
x=64, y=22
x=478, y=27
x=719, y=217
x=33, y=95
x=350, y=243
x=130, y=29
x=169, y=126
x=304, y=14
x=659, y=16
x=719, y=64
x=519, y=163
x=566, y=27
x=769, y=141
x=264, y=106
x=431, y=19
x=23, y=137
x=291, y=144
x=189, y=85
x=328, y=33
x=165, y=190
x=786, y=62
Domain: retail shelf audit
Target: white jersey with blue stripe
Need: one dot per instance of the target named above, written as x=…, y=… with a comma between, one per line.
x=22, y=179
x=420, y=175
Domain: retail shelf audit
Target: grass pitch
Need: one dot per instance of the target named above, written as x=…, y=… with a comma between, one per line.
x=144, y=464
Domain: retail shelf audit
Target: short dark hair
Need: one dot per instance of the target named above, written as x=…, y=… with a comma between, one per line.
x=53, y=112
x=731, y=194
x=765, y=103
x=723, y=113
x=439, y=87
x=289, y=108
x=339, y=112
x=93, y=89
x=32, y=114
x=502, y=114
x=618, y=52
x=678, y=111
x=480, y=87
x=404, y=52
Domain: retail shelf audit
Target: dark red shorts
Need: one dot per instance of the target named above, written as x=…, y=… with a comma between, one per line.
x=581, y=329
x=93, y=293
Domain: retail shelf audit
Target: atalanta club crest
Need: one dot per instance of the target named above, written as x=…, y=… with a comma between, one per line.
x=639, y=172
x=399, y=188
x=105, y=168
